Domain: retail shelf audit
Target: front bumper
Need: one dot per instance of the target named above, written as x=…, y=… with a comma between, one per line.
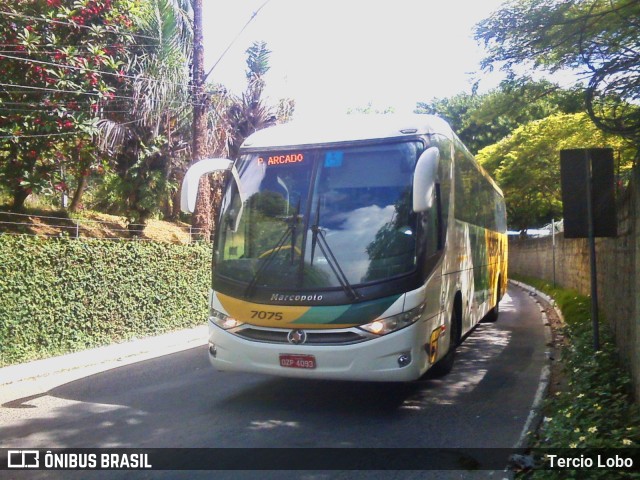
x=370, y=360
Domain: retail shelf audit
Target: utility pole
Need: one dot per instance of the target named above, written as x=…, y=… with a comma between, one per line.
x=202, y=215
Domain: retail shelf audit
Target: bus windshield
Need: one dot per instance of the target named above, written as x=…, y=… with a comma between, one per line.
x=320, y=218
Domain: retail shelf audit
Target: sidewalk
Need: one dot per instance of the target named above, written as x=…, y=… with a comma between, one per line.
x=33, y=378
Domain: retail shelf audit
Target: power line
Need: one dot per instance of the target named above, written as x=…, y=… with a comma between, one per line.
x=204, y=79
x=59, y=46
x=39, y=135
x=46, y=89
x=52, y=110
x=76, y=25
x=102, y=72
x=32, y=90
x=59, y=134
x=35, y=104
x=68, y=105
x=154, y=115
x=77, y=132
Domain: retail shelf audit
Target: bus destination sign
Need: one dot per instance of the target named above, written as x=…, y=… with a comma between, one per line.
x=282, y=159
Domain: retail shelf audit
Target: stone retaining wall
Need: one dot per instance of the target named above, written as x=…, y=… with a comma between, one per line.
x=618, y=265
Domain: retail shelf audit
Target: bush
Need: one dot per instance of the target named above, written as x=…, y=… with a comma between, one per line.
x=63, y=295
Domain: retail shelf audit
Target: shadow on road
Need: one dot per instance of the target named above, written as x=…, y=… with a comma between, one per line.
x=179, y=401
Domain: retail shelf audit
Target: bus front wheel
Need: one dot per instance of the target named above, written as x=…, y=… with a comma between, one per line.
x=443, y=366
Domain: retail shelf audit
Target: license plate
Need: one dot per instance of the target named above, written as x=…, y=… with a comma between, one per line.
x=297, y=361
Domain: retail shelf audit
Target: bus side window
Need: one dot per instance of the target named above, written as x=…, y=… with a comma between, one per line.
x=444, y=191
x=431, y=227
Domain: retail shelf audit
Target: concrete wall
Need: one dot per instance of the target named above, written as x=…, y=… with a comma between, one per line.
x=618, y=265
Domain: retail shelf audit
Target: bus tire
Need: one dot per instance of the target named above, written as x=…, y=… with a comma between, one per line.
x=494, y=313
x=443, y=366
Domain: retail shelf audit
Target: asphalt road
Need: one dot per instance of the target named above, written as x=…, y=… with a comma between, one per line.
x=178, y=400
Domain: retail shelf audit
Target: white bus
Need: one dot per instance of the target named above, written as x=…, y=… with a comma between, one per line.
x=362, y=249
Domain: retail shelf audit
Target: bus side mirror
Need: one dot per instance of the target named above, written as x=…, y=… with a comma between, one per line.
x=191, y=180
x=425, y=178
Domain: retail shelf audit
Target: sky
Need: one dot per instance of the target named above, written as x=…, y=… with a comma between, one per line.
x=334, y=55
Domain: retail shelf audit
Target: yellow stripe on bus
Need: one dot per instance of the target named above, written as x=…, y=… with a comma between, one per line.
x=261, y=314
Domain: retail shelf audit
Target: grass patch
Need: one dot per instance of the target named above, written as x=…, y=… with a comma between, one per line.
x=595, y=410
x=88, y=224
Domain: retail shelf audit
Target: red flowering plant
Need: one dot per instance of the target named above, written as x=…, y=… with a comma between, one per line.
x=60, y=64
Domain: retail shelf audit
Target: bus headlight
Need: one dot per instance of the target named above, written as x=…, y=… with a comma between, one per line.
x=382, y=326
x=222, y=320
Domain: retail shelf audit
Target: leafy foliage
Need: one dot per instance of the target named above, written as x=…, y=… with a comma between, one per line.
x=64, y=295
x=147, y=138
x=597, y=409
x=257, y=61
x=248, y=113
x=60, y=66
x=526, y=164
x=482, y=120
x=596, y=37
x=370, y=109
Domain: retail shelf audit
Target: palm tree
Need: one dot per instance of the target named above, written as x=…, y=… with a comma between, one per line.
x=248, y=113
x=149, y=142
x=231, y=120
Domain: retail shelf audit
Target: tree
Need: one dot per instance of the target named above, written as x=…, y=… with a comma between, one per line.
x=231, y=119
x=58, y=67
x=370, y=109
x=248, y=113
x=147, y=140
x=484, y=119
x=526, y=164
x=597, y=38
x=242, y=116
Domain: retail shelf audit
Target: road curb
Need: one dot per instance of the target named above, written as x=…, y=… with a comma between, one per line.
x=535, y=415
x=104, y=358
x=550, y=300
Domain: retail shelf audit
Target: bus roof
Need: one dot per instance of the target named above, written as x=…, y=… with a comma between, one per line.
x=347, y=128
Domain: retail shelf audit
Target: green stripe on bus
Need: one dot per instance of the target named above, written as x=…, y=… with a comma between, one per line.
x=362, y=313
x=322, y=314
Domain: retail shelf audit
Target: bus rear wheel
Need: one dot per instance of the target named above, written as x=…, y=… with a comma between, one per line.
x=494, y=313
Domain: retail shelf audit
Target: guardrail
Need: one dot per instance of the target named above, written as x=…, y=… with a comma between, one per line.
x=78, y=228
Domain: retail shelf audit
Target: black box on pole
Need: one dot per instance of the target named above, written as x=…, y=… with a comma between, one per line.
x=575, y=167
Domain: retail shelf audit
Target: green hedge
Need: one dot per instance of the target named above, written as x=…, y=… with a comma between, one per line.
x=62, y=295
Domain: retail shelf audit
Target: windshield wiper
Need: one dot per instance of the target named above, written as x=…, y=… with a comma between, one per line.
x=318, y=238
x=292, y=226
